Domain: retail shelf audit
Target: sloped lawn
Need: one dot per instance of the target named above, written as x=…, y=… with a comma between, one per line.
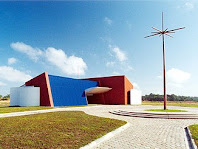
x=4, y=108
x=21, y=109
x=71, y=129
x=194, y=132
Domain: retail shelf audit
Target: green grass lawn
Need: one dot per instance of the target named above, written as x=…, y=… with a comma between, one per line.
x=167, y=110
x=71, y=129
x=194, y=132
x=4, y=107
x=170, y=103
x=21, y=109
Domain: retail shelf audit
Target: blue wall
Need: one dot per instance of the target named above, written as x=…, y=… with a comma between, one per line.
x=68, y=91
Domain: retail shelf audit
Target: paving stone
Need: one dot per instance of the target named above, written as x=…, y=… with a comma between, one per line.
x=145, y=132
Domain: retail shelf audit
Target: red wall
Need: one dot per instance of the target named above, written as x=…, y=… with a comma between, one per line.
x=118, y=95
x=42, y=81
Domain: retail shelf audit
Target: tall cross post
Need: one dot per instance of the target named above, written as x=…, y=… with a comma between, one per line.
x=162, y=33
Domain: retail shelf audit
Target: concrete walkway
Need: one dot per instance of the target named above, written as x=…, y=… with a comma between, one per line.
x=144, y=133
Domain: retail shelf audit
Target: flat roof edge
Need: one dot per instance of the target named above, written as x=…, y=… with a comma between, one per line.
x=106, y=77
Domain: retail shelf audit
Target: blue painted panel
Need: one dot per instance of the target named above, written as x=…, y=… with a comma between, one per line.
x=68, y=91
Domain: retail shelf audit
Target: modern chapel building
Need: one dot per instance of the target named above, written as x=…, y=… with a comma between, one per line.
x=62, y=91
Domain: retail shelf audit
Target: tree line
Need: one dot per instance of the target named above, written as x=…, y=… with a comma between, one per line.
x=7, y=97
x=172, y=97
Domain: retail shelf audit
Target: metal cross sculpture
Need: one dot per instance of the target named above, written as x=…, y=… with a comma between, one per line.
x=162, y=33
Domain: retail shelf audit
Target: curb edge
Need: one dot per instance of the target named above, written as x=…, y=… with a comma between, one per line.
x=189, y=139
x=106, y=137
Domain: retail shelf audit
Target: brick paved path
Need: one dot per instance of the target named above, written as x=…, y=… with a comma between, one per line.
x=144, y=133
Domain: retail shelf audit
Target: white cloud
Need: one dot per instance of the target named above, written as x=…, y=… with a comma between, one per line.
x=12, y=60
x=110, y=64
x=174, y=85
x=189, y=5
x=13, y=75
x=71, y=65
x=33, y=53
x=2, y=84
x=178, y=76
x=121, y=62
x=125, y=67
x=108, y=21
x=128, y=68
x=116, y=73
x=175, y=80
x=135, y=86
x=119, y=54
x=106, y=39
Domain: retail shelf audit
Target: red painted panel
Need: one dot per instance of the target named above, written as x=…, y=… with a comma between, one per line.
x=118, y=94
x=42, y=81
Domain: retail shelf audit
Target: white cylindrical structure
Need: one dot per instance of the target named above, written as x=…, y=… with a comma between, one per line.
x=14, y=96
x=25, y=96
x=29, y=96
x=135, y=97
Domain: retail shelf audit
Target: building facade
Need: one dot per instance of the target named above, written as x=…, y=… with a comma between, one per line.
x=120, y=93
x=62, y=91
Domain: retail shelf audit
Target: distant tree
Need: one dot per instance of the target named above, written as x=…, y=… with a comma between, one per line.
x=7, y=97
x=172, y=97
x=195, y=98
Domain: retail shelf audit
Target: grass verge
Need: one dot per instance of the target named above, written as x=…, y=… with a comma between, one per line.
x=170, y=103
x=167, y=110
x=21, y=109
x=4, y=107
x=72, y=129
x=194, y=132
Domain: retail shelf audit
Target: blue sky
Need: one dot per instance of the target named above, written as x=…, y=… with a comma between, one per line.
x=92, y=39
